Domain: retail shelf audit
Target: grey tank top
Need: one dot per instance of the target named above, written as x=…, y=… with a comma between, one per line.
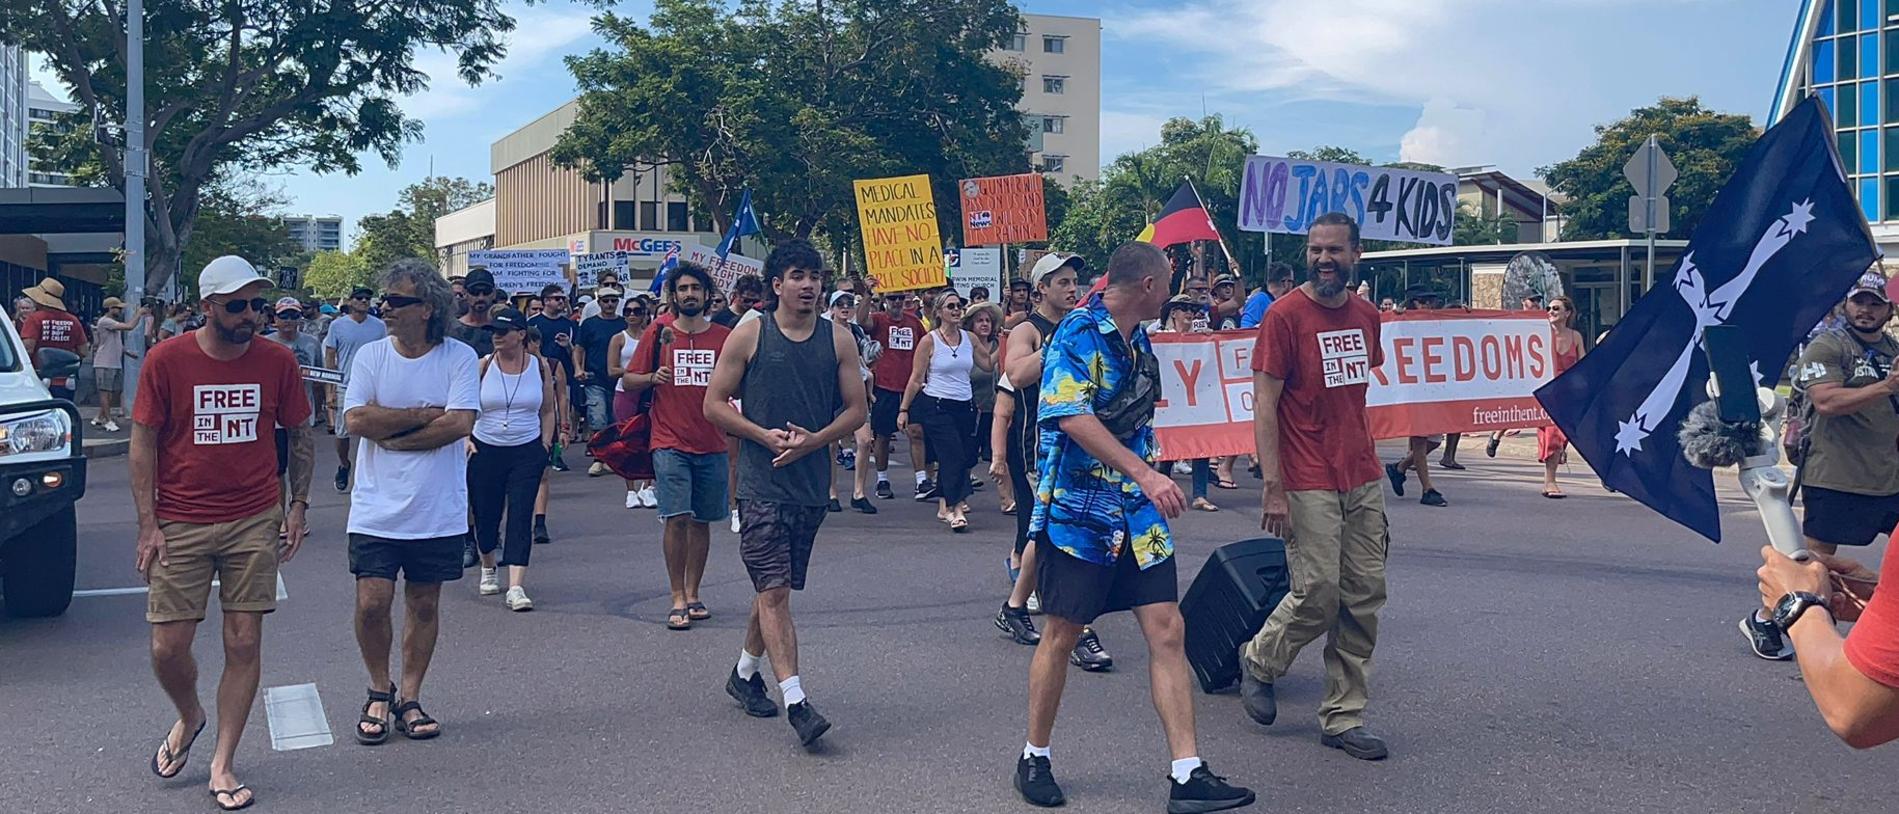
x=788, y=382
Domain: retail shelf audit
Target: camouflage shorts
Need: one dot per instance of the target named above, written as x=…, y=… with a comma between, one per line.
x=775, y=541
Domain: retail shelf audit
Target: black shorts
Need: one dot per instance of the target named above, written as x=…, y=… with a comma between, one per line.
x=1845, y=518
x=775, y=542
x=883, y=411
x=1079, y=591
x=431, y=559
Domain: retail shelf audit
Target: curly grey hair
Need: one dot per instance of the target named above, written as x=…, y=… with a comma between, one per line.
x=430, y=286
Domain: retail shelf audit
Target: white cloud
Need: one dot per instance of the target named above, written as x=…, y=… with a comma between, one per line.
x=540, y=37
x=1446, y=134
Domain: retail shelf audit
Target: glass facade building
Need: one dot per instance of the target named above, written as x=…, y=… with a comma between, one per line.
x=1847, y=51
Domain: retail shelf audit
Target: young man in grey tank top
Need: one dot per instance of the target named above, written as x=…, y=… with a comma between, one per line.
x=802, y=394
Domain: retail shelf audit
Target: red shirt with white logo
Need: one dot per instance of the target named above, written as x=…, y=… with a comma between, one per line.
x=1872, y=646
x=1325, y=356
x=217, y=457
x=49, y=328
x=899, y=336
x=679, y=415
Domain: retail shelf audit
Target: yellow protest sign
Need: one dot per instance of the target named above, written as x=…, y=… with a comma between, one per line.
x=902, y=248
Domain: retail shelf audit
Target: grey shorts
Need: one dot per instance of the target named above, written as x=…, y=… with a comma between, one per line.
x=775, y=541
x=690, y=484
x=109, y=379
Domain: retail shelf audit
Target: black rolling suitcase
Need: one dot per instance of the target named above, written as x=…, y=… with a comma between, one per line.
x=1228, y=602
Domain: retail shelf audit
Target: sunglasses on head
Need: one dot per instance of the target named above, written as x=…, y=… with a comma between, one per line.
x=259, y=304
x=398, y=301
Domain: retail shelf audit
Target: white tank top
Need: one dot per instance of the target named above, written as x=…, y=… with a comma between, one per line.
x=510, y=405
x=627, y=348
x=949, y=369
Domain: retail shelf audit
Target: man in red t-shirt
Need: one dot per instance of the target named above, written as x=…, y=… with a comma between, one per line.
x=204, y=481
x=1854, y=680
x=898, y=331
x=50, y=326
x=1312, y=365
x=689, y=454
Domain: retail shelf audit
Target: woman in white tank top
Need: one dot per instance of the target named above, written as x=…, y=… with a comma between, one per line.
x=940, y=392
x=510, y=448
x=620, y=353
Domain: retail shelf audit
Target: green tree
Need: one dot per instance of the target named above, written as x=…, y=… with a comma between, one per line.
x=332, y=274
x=1704, y=145
x=409, y=229
x=796, y=100
x=241, y=87
x=240, y=220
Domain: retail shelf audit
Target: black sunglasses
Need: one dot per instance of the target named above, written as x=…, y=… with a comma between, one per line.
x=481, y=290
x=398, y=301
x=290, y=315
x=363, y=297
x=260, y=305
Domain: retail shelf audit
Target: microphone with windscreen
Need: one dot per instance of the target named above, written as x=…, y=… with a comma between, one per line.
x=1736, y=427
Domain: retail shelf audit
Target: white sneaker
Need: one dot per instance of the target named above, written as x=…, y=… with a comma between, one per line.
x=597, y=470
x=490, y=582
x=111, y=425
x=735, y=523
x=518, y=600
x=649, y=498
x=632, y=498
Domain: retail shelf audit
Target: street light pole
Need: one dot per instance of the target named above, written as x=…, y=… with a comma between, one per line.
x=135, y=167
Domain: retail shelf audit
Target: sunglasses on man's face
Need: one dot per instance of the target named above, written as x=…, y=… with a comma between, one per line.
x=290, y=315
x=360, y=297
x=481, y=290
x=260, y=305
x=398, y=301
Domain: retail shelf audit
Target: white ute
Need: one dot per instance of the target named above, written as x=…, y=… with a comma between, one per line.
x=42, y=474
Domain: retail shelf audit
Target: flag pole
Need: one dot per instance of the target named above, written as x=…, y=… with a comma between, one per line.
x=1203, y=207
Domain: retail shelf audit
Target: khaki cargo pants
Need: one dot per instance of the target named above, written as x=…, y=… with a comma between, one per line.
x=1337, y=562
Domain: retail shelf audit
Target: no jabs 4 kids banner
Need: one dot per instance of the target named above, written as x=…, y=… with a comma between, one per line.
x=1444, y=371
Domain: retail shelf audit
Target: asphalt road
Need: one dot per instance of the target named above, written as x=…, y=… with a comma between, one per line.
x=1572, y=656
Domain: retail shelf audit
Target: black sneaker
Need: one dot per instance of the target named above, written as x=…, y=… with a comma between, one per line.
x=1257, y=698
x=541, y=537
x=926, y=490
x=834, y=507
x=469, y=555
x=342, y=479
x=883, y=490
x=751, y=695
x=1432, y=498
x=1205, y=791
x=1358, y=742
x=559, y=464
x=976, y=484
x=1397, y=478
x=863, y=505
x=810, y=725
x=1765, y=639
x=1036, y=782
x=1015, y=623
x=1089, y=654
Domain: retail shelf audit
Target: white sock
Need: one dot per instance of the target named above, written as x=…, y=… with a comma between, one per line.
x=747, y=664
x=1761, y=616
x=793, y=690
x=1031, y=750
x=921, y=477
x=1183, y=768
x=882, y=476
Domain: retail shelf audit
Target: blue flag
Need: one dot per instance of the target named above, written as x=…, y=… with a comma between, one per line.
x=666, y=267
x=1781, y=245
x=744, y=223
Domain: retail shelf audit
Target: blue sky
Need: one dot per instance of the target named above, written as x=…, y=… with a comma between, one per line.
x=1515, y=83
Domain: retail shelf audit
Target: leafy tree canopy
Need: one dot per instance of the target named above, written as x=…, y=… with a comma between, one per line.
x=1704, y=145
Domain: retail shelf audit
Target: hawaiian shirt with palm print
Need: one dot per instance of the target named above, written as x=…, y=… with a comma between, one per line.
x=1089, y=509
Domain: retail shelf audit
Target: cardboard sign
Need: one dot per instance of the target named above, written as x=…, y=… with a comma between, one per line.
x=725, y=273
x=969, y=268
x=523, y=271
x=1443, y=371
x=322, y=375
x=902, y=247
x=587, y=267
x=1284, y=196
x=1003, y=209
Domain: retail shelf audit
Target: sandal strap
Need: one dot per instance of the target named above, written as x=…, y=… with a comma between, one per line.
x=389, y=697
x=404, y=707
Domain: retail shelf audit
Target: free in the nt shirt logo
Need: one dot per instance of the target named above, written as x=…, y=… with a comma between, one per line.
x=903, y=338
x=225, y=413
x=692, y=367
x=1347, y=360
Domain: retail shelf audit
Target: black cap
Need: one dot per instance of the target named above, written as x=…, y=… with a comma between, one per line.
x=360, y=291
x=506, y=318
x=478, y=275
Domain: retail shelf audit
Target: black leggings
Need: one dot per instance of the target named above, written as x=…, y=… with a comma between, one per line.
x=947, y=425
x=505, y=478
x=1017, y=462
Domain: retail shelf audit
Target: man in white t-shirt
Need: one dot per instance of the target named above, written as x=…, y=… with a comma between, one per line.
x=412, y=398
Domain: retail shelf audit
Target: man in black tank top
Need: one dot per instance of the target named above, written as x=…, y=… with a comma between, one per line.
x=1054, y=277
x=797, y=380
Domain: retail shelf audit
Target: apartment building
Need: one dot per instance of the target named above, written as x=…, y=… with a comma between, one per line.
x=1061, y=91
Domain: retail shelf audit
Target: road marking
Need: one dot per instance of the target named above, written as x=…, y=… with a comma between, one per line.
x=295, y=713
x=282, y=594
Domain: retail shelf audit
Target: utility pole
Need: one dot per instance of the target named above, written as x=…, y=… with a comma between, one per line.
x=136, y=164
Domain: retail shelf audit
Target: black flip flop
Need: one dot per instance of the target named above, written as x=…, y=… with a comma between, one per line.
x=679, y=619
x=696, y=611
x=376, y=697
x=1553, y=495
x=407, y=728
x=182, y=756
x=232, y=793
x=1490, y=447
x=1225, y=484
x=1452, y=465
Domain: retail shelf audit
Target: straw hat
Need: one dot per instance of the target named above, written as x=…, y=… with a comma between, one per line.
x=50, y=293
x=111, y=303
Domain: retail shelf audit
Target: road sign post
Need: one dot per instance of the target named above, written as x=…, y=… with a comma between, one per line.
x=1650, y=171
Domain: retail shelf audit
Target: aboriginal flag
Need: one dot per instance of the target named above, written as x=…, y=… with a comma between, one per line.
x=1181, y=220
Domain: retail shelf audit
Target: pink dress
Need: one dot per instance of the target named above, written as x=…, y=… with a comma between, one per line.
x=1551, y=443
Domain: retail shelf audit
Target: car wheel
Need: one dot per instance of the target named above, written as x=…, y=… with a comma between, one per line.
x=37, y=573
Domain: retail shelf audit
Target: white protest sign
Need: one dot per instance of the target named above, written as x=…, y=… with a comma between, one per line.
x=587, y=267
x=523, y=271
x=969, y=268
x=725, y=272
x=1284, y=196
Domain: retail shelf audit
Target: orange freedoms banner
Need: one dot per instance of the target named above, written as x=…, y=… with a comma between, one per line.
x=1444, y=371
x=1003, y=209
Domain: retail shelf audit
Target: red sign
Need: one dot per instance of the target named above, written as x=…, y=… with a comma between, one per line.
x=1003, y=209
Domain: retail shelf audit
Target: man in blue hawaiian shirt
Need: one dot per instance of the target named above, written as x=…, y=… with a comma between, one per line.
x=1100, y=522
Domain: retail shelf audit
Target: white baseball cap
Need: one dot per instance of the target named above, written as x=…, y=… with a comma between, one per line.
x=227, y=274
x=1051, y=263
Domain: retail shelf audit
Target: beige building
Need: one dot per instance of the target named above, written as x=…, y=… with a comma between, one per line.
x=1061, y=91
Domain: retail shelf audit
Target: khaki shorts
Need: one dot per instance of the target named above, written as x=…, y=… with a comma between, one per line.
x=241, y=553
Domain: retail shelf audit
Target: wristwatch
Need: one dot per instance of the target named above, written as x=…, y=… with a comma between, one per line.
x=1789, y=608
